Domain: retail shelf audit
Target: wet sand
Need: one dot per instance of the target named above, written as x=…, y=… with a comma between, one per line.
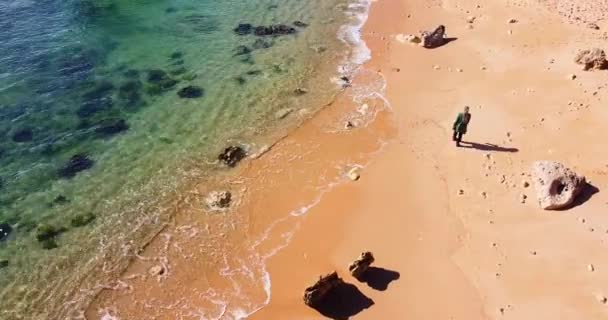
x=450, y=233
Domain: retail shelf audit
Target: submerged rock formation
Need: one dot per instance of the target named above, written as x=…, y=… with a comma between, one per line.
x=314, y=294
x=232, y=155
x=77, y=163
x=243, y=29
x=112, y=127
x=190, y=92
x=5, y=231
x=359, y=266
x=592, y=59
x=556, y=186
x=23, y=135
x=274, y=30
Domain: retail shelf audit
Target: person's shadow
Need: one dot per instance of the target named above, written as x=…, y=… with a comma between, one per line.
x=486, y=147
x=379, y=278
x=343, y=302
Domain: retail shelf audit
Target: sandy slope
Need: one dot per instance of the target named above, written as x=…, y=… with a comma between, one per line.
x=469, y=256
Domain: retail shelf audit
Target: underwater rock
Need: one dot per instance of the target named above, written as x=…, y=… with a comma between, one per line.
x=49, y=244
x=77, y=163
x=240, y=80
x=60, y=199
x=23, y=135
x=274, y=30
x=156, y=75
x=243, y=29
x=261, y=44
x=82, y=220
x=300, y=24
x=253, y=72
x=130, y=92
x=3, y=264
x=112, y=127
x=89, y=108
x=5, y=231
x=241, y=50
x=176, y=55
x=232, y=155
x=100, y=91
x=171, y=10
x=46, y=232
x=178, y=62
x=190, y=92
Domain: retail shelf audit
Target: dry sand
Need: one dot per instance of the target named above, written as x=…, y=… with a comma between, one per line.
x=448, y=220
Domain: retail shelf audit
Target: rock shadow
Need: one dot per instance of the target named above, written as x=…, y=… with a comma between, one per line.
x=586, y=194
x=343, y=302
x=379, y=278
x=486, y=147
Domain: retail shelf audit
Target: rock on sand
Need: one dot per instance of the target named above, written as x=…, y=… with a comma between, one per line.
x=556, y=186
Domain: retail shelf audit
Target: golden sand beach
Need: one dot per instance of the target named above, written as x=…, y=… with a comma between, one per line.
x=455, y=231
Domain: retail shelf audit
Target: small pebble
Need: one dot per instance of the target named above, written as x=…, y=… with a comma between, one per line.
x=525, y=184
x=582, y=220
x=522, y=198
x=533, y=253
x=572, y=76
x=471, y=19
x=458, y=70
x=601, y=298
x=484, y=194
x=590, y=267
x=460, y=192
x=436, y=67
x=512, y=20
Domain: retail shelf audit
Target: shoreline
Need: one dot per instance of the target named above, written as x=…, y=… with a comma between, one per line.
x=470, y=253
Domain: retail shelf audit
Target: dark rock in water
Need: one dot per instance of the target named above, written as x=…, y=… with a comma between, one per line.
x=49, y=244
x=112, y=127
x=3, y=264
x=300, y=24
x=5, y=231
x=60, y=199
x=130, y=92
x=253, y=72
x=190, y=92
x=45, y=232
x=157, y=75
x=274, y=30
x=82, y=220
x=241, y=50
x=89, y=108
x=76, y=64
x=232, y=155
x=176, y=55
x=261, y=44
x=161, y=80
x=77, y=163
x=100, y=91
x=171, y=10
x=131, y=73
x=240, y=80
x=243, y=29
x=23, y=135
x=178, y=71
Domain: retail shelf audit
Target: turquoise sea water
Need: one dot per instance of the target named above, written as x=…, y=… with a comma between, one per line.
x=96, y=141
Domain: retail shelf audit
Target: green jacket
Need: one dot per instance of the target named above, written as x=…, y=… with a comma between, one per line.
x=461, y=123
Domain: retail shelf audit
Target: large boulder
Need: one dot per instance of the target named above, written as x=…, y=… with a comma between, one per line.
x=359, y=266
x=556, y=186
x=77, y=163
x=314, y=294
x=433, y=39
x=592, y=59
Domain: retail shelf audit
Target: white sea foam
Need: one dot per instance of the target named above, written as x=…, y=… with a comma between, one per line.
x=351, y=35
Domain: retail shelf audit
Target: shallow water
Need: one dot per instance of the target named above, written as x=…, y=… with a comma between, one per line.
x=81, y=78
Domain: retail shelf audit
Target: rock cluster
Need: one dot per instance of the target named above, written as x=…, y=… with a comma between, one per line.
x=556, y=186
x=359, y=266
x=592, y=59
x=314, y=294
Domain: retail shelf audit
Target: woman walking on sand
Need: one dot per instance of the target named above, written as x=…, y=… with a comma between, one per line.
x=460, y=125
